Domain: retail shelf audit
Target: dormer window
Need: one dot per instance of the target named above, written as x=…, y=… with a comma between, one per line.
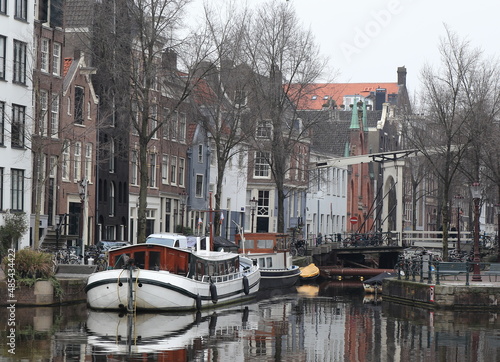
x=240, y=98
x=314, y=98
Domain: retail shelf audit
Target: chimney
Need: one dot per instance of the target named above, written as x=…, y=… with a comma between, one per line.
x=169, y=59
x=402, y=75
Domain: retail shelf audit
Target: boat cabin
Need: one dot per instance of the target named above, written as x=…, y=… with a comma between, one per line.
x=263, y=242
x=268, y=250
x=173, y=260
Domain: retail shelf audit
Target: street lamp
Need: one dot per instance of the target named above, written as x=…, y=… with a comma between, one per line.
x=253, y=206
x=82, y=191
x=459, y=201
x=497, y=209
x=183, y=206
x=476, y=196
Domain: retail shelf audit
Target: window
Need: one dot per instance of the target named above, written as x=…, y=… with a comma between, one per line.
x=79, y=102
x=1, y=187
x=44, y=59
x=18, y=124
x=89, y=111
x=111, y=155
x=3, y=6
x=182, y=127
x=56, y=59
x=200, y=153
x=173, y=170
x=199, y=186
x=19, y=62
x=44, y=110
x=173, y=125
x=180, y=180
x=65, y=161
x=154, y=121
x=88, y=161
x=165, y=128
x=111, y=199
x=164, y=169
x=264, y=129
x=240, y=98
x=54, y=115
x=21, y=9
x=134, y=168
x=53, y=166
x=17, y=190
x=77, y=161
x=261, y=168
x=152, y=170
x=3, y=41
x=2, y=123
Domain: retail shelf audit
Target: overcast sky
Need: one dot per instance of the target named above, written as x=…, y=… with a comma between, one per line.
x=367, y=40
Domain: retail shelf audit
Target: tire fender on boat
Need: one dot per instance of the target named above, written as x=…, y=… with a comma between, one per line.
x=213, y=293
x=246, y=286
x=198, y=302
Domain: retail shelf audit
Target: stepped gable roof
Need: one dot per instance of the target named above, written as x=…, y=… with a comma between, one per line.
x=315, y=96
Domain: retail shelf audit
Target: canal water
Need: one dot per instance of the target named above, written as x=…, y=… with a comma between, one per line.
x=331, y=321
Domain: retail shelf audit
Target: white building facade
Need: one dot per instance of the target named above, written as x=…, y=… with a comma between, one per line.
x=16, y=65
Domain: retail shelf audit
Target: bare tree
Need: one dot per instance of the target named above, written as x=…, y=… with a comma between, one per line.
x=443, y=135
x=281, y=54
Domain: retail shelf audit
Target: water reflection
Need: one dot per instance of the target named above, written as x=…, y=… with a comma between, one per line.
x=332, y=321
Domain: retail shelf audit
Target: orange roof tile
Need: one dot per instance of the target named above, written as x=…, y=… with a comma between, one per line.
x=313, y=96
x=67, y=64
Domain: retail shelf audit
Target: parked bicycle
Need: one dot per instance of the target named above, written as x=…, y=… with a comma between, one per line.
x=298, y=247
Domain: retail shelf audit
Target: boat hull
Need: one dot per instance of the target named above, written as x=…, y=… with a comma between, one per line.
x=138, y=289
x=279, y=278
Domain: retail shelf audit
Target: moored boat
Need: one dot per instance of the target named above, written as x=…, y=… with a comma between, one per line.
x=166, y=275
x=309, y=272
x=374, y=285
x=269, y=251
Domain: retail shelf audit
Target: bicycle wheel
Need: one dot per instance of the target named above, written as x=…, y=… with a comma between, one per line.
x=293, y=252
x=301, y=251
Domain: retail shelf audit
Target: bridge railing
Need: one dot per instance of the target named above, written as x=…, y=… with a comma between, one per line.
x=434, y=239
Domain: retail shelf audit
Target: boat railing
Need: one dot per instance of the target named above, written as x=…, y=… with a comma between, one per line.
x=227, y=277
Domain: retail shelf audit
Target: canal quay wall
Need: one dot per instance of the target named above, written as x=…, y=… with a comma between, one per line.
x=72, y=280
x=448, y=295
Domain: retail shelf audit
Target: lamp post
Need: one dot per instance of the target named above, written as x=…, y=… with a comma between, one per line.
x=253, y=206
x=459, y=200
x=476, y=196
x=497, y=209
x=183, y=206
x=82, y=191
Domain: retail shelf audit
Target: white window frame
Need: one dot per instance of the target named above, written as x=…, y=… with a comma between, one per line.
x=54, y=115
x=181, y=168
x=88, y=162
x=65, y=164
x=44, y=112
x=44, y=55
x=173, y=170
x=164, y=169
x=261, y=166
x=77, y=162
x=56, y=59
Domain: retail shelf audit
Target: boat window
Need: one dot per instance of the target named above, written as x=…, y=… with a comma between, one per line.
x=265, y=244
x=269, y=262
x=154, y=260
x=200, y=269
x=221, y=268
x=211, y=269
x=161, y=241
x=248, y=244
x=262, y=262
x=120, y=260
x=140, y=259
